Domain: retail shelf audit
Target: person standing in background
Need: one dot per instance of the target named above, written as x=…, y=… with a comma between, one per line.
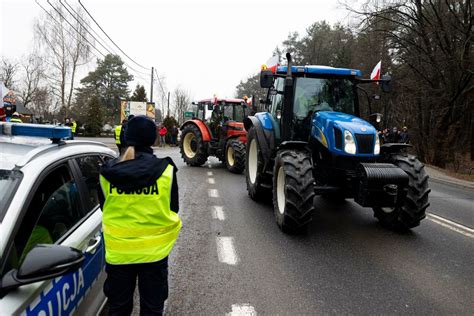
x=163, y=132
x=174, y=135
x=404, y=136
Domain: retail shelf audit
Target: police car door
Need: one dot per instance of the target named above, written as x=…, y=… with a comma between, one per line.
x=54, y=213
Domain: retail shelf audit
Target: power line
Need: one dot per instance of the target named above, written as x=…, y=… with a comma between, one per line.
x=160, y=85
x=86, y=22
x=85, y=28
x=57, y=22
x=109, y=36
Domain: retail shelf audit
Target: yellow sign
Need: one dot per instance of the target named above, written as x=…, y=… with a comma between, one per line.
x=136, y=108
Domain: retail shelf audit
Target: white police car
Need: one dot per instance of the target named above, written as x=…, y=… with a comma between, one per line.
x=51, y=247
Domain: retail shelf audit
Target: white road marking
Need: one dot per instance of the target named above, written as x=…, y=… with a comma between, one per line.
x=226, y=251
x=209, y=173
x=209, y=166
x=218, y=213
x=211, y=180
x=241, y=310
x=213, y=193
x=461, y=229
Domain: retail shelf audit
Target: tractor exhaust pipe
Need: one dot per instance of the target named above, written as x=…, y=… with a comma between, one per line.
x=287, y=117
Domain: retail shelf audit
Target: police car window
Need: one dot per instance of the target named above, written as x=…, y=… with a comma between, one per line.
x=9, y=181
x=90, y=168
x=52, y=212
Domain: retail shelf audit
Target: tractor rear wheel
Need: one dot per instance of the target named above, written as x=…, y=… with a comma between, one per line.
x=254, y=175
x=235, y=156
x=413, y=210
x=293, y=190
x=193, y=148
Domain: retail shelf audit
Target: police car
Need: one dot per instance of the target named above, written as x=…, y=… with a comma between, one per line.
x=51, y=246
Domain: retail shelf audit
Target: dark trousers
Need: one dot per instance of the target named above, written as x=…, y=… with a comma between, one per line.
x=152, y=286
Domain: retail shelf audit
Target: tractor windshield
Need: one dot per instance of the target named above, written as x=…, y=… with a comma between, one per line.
x=323, y=94
x=234, y=112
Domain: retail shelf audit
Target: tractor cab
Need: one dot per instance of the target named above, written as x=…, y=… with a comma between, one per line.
x=313, y=89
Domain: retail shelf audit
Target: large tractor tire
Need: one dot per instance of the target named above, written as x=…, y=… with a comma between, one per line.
x=293, y=190
x=254, y=175
x=235, y=156
x=413, y=210
x=193, y=148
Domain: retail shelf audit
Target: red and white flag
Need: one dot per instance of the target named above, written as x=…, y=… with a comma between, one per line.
x=375, y=75
x=273, y=63
x=249, y=102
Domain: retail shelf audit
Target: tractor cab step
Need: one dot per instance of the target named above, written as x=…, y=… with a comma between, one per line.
x=325, y=189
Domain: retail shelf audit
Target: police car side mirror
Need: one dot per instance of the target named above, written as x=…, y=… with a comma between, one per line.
x=43, y=262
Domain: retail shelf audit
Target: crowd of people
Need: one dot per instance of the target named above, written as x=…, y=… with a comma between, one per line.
x=394, y=135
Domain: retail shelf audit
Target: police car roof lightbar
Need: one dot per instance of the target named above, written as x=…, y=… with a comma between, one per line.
x=55, y=133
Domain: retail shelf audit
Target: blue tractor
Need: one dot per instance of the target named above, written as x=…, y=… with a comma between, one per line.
x=312, y=141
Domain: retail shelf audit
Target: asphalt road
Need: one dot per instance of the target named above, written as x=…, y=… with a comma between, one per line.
x=232, y=258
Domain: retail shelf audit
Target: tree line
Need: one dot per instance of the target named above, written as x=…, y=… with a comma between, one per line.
x=426, y=46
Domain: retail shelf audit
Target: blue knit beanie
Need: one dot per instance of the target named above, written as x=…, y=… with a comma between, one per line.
x=141, y=131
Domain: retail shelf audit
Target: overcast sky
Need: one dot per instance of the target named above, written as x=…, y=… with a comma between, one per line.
x=206, y=47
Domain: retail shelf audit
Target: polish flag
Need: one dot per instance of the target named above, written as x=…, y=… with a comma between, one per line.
x=250, y=102
x=375, y=75
x=273, y=63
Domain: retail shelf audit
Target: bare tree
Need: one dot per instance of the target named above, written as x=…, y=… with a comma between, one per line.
x=431, y=44
x=66, y=44
x=33, y=74
x=8, y=70
x=41, y=102
x=181, y=101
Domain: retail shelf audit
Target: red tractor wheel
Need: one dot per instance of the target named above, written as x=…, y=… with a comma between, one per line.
x=235, y=156
x=193, y=148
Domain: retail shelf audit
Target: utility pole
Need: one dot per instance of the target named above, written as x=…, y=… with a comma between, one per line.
x=168, y=103
x=151, y=86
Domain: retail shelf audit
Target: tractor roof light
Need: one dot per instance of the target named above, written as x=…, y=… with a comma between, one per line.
x=349, y=143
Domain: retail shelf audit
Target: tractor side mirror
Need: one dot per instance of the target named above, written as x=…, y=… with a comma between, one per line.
x=375, y=119
x=386, y=83
x=266, y=78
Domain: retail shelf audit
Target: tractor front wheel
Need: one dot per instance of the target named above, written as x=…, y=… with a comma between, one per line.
x=235, y=156
x=293, y=190
x=413, y=210
x=193, y=148
x=254, y=175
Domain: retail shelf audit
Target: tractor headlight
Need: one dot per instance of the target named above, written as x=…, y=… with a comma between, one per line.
x=377, y=145
x=349, y=143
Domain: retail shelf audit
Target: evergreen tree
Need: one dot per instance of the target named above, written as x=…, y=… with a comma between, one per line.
x=139, y=94
x=94, y=117
x=109, y=81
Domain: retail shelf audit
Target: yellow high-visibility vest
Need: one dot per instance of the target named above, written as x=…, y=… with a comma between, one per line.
x=118, y=131
x=73, y=127
x=139, y=226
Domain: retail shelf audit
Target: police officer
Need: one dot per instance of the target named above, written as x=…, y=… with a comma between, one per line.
x=118, y=136
x=73, y=127
x=16, y=118
x=140, y=222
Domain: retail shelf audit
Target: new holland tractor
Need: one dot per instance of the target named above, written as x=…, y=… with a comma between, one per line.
x=312, y=141
x=222, y=135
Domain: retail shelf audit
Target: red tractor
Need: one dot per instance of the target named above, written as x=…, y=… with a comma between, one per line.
x=216, y=130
